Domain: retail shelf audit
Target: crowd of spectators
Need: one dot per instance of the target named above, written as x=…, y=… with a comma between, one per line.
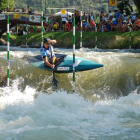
x=118, y=22
x=23, y=10
x=113, y=21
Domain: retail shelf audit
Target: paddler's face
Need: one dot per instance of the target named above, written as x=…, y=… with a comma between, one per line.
x=46, y=45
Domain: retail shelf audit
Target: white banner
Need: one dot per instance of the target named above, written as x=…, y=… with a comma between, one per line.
x=34, y=18
x=2, y=16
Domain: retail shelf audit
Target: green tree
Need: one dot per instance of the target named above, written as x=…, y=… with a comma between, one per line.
x=4, y=4
x=137, y=3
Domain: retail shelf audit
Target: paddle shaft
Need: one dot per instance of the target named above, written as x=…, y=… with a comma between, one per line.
x=54, y=80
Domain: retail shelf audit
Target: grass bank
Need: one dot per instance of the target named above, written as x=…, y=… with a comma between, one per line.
x=108, y=40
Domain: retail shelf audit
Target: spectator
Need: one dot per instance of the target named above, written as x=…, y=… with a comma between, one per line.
x=70, y=20
x=133, y=17
x=84, y=26
x=64, y=19
x=22, y=10
x=107, y=26
x=49, y=21
x=106, y=18
x=102, y=16
x=48, y=27
x=119, y=24
x=56, y=22
x=13, y=29
x=84, y=19
x=124, y=16
x=91, y=16
x=127, y=26
x=117, y=14
x=17, y=10
x=101, y=24
x=77, y=21
x=8, y=9
x=124, y=25
x=92, y=25
x=110, y=16
x=88, y=20
x=21, y=33
x=75, y=15
x=88, y=28
x=14, y=10
x=30, y=11
x=67, y=26
x=56, y=26
x=77, y=27
x=33, y=12
x=136, y=25
x=113, y=24
x=97, y=21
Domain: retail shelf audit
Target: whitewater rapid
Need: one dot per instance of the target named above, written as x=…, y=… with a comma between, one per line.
x=106, y=105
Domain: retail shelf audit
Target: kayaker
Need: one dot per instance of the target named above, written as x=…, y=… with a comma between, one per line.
x=47, y=52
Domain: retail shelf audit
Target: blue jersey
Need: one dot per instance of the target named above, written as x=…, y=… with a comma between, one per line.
x=47, y=52
x=133, y=17
x=115, y=23
x=117, y=15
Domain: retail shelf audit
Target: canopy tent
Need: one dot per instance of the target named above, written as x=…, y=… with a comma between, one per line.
x=59, y=14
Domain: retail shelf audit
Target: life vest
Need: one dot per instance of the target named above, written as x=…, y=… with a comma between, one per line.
x=47, y=52
x=50, y=53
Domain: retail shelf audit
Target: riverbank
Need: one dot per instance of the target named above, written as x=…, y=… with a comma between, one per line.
x=107, y=40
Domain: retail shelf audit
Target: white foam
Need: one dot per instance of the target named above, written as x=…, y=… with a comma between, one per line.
x=67, y=114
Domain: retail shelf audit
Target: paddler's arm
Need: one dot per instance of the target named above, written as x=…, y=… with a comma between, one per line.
x=52, y=41
x=48, y=64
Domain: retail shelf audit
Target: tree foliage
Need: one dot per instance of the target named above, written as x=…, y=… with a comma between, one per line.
x=88, y=5
x=137, y=3
x=4, y=4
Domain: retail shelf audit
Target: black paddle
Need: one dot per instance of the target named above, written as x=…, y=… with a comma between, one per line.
x=54, y=81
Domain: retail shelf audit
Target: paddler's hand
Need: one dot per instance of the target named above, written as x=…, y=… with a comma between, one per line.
x=52, y=66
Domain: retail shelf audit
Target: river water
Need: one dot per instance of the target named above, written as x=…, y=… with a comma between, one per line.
x=105, y=106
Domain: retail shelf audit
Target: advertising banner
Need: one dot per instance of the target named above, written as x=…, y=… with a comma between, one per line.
x=2, y=16
x=113, y=2
x=34, y=18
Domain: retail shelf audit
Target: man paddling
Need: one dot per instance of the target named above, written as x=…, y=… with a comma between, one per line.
x=47, y=52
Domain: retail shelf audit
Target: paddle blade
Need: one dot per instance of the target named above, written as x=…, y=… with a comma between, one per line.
x=55, y=83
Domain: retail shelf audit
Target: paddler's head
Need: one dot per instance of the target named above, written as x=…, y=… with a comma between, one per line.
x=46, y=42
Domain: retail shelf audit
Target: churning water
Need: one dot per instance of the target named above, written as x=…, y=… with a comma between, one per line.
x=106, y=105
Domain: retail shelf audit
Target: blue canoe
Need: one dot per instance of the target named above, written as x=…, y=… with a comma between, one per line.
x=64, y=64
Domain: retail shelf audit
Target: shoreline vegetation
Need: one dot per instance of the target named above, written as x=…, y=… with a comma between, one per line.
x=105, y=40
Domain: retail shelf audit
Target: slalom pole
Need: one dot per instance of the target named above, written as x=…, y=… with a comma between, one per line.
x=130, y=38
x=74, y=54
x=42, y=26
x=96, y=34
x=26, y=27
x=8, y=52
x=81, y=30
x=26, y=34
x=52, y=32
